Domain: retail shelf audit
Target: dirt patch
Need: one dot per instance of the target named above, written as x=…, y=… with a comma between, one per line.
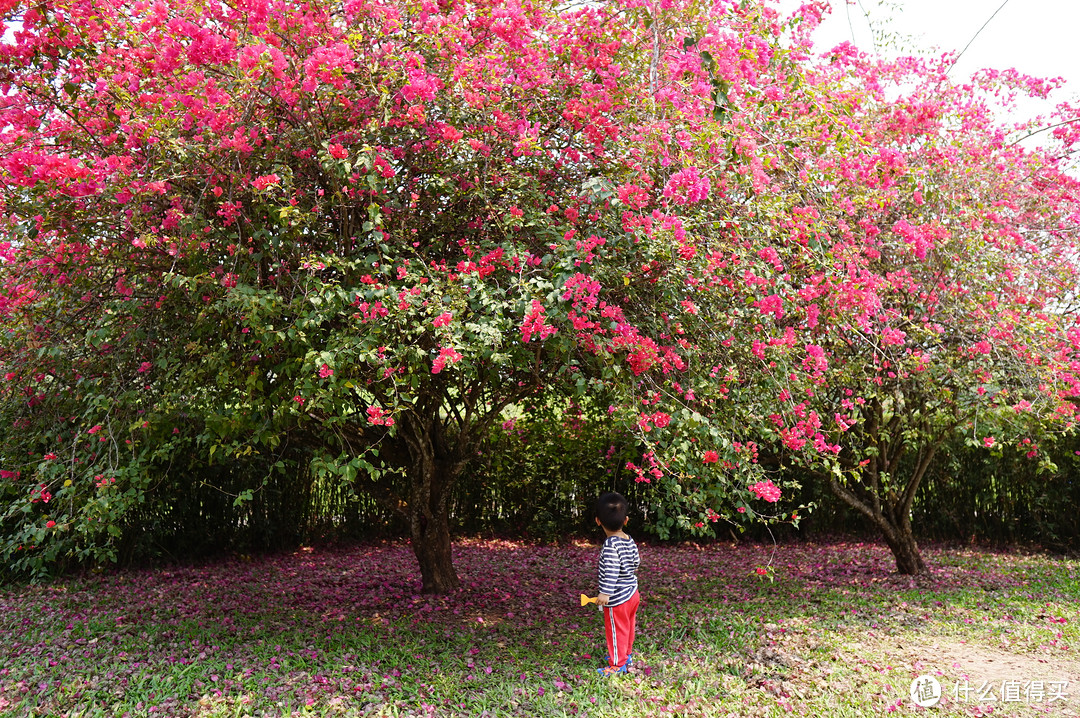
x=980, y=663
x=1014, y=683
x=983, y=680
x=971, y=679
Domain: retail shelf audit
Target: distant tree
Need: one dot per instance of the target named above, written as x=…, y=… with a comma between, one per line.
x=950, y=308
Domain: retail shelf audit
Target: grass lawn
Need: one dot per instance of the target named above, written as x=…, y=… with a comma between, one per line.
x=342, y=632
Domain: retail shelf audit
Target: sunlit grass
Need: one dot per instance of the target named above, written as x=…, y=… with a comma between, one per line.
x=345, y=633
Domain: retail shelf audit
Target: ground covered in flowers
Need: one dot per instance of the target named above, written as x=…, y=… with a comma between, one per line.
x=742, y=630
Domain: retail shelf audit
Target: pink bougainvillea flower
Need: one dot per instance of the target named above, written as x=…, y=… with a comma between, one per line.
x=536, y=323
x=443, y=319
x=377, y=416
x=710, y=457
x=687, y=186
x=447, y=355
x=449, y=133
x=633, y=196
x=771, y=304
x=325, y=371
x=890, y=337
x=766, y=490
x=989, y=441
x=265, y=181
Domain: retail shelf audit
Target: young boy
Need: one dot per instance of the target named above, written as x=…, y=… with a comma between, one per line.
x=619, y=562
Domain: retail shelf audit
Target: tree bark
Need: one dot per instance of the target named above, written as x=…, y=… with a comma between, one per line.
x=432, y=473
x=891, y=516
x=434, y=552
x=909, y=562
x=432, y=443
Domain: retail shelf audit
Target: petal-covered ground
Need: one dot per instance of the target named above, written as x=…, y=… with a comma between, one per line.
x=724, y=629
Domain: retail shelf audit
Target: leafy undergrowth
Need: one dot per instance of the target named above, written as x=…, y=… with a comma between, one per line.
x=343, y=632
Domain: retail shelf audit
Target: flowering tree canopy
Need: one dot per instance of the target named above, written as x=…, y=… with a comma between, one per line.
x=950, y=305
x=358, y=231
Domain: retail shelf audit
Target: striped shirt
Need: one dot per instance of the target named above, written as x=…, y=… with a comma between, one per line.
x=619, y=562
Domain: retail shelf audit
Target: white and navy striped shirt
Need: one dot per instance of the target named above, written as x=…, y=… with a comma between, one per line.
x=619, y=562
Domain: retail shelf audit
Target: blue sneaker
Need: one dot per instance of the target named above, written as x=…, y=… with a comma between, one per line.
x=611, y=670
x=629, y=660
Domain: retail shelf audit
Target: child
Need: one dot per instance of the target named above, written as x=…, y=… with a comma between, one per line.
x=618, y=582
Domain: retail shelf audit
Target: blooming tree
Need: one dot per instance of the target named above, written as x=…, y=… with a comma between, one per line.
x=949, y=306
x=356, y=232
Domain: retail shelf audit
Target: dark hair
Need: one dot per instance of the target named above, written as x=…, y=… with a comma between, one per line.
x=611, y=509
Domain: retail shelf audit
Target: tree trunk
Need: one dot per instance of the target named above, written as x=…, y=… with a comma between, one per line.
x=432, y=472
x=909, y=562
x=433, y=549
x=894, y=522
x=435, y=455
x=887, y=503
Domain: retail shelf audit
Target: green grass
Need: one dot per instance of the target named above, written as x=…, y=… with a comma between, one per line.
x=343, y=633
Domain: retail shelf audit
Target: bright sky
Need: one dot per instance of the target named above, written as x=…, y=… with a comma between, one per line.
x=1037, y=37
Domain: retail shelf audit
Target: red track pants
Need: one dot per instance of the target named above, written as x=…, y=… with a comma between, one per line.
x=619, y=623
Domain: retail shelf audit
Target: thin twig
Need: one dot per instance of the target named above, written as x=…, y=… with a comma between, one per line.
x=976, y=35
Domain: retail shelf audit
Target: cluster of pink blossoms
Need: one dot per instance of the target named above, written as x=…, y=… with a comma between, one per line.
x=264, y=181
x=536, y=323
x=446, y=355
x=687, y=186
x=378, y=417
x=766, y=490
x=651, y=468
x=660, y=419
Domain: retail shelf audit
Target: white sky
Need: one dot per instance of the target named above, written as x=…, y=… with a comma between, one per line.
x=1037, y=37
